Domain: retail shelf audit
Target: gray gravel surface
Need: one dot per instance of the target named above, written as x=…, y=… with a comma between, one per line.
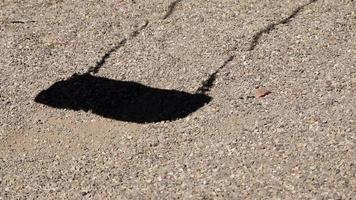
x=298, y=142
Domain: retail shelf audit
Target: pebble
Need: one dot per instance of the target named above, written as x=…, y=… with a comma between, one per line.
x=261, y=92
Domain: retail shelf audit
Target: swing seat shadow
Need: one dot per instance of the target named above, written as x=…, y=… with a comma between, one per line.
x=121, y=100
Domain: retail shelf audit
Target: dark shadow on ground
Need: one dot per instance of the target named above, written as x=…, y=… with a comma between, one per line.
x=121, y=100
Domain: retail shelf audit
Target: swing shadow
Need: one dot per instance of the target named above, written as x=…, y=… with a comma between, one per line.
x=121, y=100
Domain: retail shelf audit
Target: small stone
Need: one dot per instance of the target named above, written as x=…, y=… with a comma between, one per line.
x=154, y=143
x=261, y=92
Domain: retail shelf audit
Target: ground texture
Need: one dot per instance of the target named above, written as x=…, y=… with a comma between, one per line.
x=68, y=132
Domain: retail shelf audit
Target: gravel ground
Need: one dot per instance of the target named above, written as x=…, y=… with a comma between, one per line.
x=297, y=142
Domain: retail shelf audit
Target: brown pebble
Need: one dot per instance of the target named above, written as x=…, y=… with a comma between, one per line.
x=262, y=92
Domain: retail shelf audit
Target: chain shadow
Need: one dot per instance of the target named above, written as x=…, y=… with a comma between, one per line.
x=121, y=100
